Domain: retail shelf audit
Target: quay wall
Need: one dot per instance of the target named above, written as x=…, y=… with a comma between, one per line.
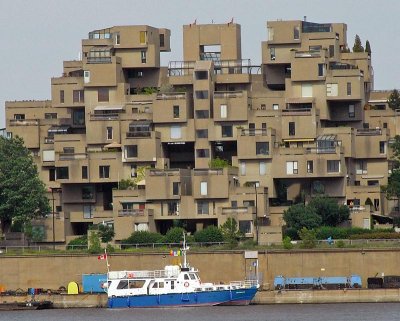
x=53, y=271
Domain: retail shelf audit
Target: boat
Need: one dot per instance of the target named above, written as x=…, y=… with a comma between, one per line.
x=26, y=305
x=174, y=286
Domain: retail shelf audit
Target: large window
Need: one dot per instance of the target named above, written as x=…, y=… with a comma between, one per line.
x=87, y=211
x=262, y=148
x=201, y=74
x=263, y=168
x=61, y=96
x=202, y=153
x=349, y=89
x=175, y=188
x=382, y=147
x=292, y=128
x=203, y=188
x=202, y=207
x=131, y=151
x=361, y=167
x=87, y=192
x=333, y=166
x=224, y=111
x=321, y=70
x=245, y=227
x=310, y=166
x=227, y=130
x=52, y=174
x=78, y=117
x=84, y=172
x=176, y=132
x=201, y=133
x=291, y=168
x=143, y=37
x=352, y=113
x=109, y=133
x=104, y=171
x=143, y=56
x=103, y=95
x=162, y=40
x=201, y=94
x=202, y=114
x=176, y=111
x=78, y=96
x=62, y=172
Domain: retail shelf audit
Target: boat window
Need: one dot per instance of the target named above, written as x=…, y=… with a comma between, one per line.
x=186, y=277
x=192, y=276
x=172, y=285
x=123, y=284
x=161, y=285
x=136, y=284
x=155, y=285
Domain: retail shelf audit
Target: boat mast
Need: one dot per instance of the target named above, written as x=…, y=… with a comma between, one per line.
x=184, y=249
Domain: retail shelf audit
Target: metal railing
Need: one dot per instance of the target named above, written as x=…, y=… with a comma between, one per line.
x=254, y=132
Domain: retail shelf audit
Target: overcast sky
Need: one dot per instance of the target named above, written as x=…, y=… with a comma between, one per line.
x=39, y=34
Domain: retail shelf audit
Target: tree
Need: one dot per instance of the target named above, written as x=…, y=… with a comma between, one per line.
x=328, y=209
x=230, y=231
x=22, y=193
x=309, y=238
x=209, y=234
x=106, y=233
x=368, y=48
x=357, y=45
x=394, y=100
x=299, y=216
x=392, y=189
x=218, y=163
x=174, y=235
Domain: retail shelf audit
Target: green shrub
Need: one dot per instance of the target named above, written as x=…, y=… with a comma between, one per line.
x=340, y=244
x=209, y=234
x=94, y=242
x=143, y=237
x=174, y=235
x=309, y=238
x=287, y=243
x=78, y=243
x=291, y=233
x=376, y=236
x=106, y=233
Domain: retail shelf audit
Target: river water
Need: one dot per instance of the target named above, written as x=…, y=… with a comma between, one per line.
x=280, y=312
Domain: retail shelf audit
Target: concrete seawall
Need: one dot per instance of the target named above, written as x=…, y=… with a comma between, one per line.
x=53, y=271
x=64, y=301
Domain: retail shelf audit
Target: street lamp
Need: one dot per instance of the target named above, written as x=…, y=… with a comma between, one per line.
x=256, y=220
x=52, y=189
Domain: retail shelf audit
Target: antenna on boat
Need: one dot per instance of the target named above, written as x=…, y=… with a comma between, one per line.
x=184, y=249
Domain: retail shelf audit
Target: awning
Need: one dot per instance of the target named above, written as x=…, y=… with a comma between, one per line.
x=298, y=140
x=327, y=137
x=103, y=108
x=113, y=145
x=382, y=219
x=300, y=100
x=63, y=129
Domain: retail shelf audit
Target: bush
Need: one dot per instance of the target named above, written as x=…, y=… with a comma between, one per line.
x=291, y=233
x=106, y=233
x=209, y=234
x=143, y=237
x=376, y=236
x=340, y=244
x=309, y=238
x=80, y=243
x=287, y=243
x=174, y=235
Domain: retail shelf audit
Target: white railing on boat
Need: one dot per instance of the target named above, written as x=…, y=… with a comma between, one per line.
x=115, y=275
x=244, y=284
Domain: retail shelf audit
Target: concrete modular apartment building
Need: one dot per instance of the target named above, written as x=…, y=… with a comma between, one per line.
x=305, y=121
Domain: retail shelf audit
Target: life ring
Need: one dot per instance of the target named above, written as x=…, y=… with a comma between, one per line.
x=186, y=284
x=130, y=275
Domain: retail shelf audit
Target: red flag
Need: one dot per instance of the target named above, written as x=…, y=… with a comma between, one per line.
x=102, y=257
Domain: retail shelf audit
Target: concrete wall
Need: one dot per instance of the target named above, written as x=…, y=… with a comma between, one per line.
x=55, y=271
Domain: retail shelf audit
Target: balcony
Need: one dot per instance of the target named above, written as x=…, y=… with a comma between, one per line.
x=166, y=172
x=308, y=54
x=369, y=132
x=138, y=134
x=254, y=132
x=180, y=68
x=238, y=210
x=72, y=156
x=24, y=122
x=228, y=94
x=171, y=96
x=110, y=116
x=297, y=112
x=132, y=212
x=206, y=172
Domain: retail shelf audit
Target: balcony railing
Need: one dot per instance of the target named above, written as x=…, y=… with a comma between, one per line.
x=70, y=156
x=316, y=150
x=307, y=54
x=180, y=68
x=131, y=212
x=166, y=172
x=202, y=172
x=24, y=122
x=369, y=132
x=138, y=134
x=296, y=111
x=254, y=132
x=228, y=94
x=171, y=96
x=99, y=60
x=113, y=116
x=238, y=210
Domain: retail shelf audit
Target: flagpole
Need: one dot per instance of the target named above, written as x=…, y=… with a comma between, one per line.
x=108, y=265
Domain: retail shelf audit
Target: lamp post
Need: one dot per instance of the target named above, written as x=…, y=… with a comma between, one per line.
x=256, y=220
x=54, y=232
